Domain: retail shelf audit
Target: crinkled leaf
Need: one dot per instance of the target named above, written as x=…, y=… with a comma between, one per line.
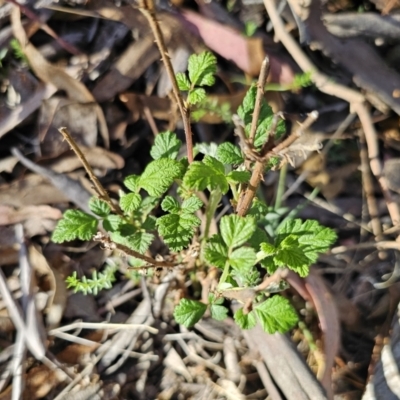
x=209, y=173
x=243, y=258
x=208, y=149
x=259, y=236
x=139, y=241
x=218, y=312
x=238, y=176
x=216, y=252
x=196, y=96
x=202, y=68
x=149, y=223
x=245, y=321
x=192, y=204
x=130, y=202
x=258, y=209
x=170, y=204
x=75, y=224
x=266, y=250
x=147, y=205
x=236, y=230
x=276, y=314
x=183, y=81
x=228, y=153
x=159, y=176
x=132, y=182
x=112, y=223
x=99, y=207
x=189, y=312
x=166, y=145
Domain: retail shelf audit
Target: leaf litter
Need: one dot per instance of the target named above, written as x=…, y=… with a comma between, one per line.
x=349, y=302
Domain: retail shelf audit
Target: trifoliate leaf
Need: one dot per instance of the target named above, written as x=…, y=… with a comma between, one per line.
x=166, y=145
x=159, y=176
x=183, y=81
x=228, y=153
x=218, y=312
x=170, y=204
x=242, y=259
x=131, y=182
x=238, y=176
x=245, y=321
x=189, y=312
x=192, y=204
x=75, y=224
x=216, y=252
x=112, y=223
x=196, y=96
x=99, y=207
x=177, y=229
x=130, y=202
x=236, y=230
x=209, y=173
x=202, y=68
x=276, y=315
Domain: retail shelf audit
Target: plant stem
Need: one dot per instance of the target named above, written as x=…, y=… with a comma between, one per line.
x=281, y=186
x=224, y=275
x=101, y=192
x=215, y=198
x=148, y=9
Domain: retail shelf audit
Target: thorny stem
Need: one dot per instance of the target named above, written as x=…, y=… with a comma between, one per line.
x=148, y=10
x=265, y=66
x=101, y=192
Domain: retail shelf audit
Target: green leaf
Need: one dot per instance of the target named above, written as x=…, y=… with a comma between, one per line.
x=130, y=202
x=258, y=209
x=147, y=205
x=236, y=230
x=166, y=145
x=228, y=154
x=192, y=204
x=259, y=236
x=267, y=249
x=177, y=229
x=245, y=321
x=243, y=259
x=183, y=81
x=216, y=252
x=276, y=314
x=238, y=176
x=112, y=223
x=218, y=312
x=189, y=312
x=202, y=69
x=196, y=96
x=209, y=173
x=170, y=204
x=99, y=207
x=149, y=223
x=208, y=149
x=139, y=241
x=132, y=182
x=75, y=224
x=159, y=176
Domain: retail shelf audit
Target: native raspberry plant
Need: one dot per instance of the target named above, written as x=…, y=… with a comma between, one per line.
x=253, y=241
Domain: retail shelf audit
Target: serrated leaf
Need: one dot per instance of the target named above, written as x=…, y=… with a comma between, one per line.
x=202, y=68
x=216, y=252
x=196, y=96
x=99, y=207
x=131, y=182
x=189, y=312
x=139, y=241
x=130, y=202
x=266, y=250
x=159, y=176
x=147, y=205
x=228, y=153
x=177, y=229
x=75, y=224
x=238, y=176
x=218, y=312
x=183, y=81
x=258, y=209
x=208, y=149
x=206, y=174
x=259, y=236
x=245, y=321
x=236, y=230
x=149, y=223
x=170, y=204
x=276, y=314
x=112, y=223
x=166, y=145
x=242, y=259
x=192, y=204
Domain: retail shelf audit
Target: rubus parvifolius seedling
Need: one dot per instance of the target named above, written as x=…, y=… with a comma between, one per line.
x=250, y=246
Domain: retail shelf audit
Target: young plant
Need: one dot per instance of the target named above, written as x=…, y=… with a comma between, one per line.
x=248, y=249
